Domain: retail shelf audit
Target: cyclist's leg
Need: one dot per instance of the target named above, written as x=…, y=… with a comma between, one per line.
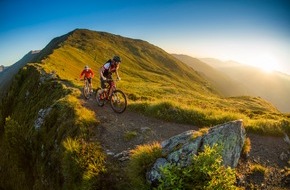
x=90, y=84
x=103, y=84
x=110, y=90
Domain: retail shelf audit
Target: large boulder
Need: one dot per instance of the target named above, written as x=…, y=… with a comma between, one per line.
x=181, y=148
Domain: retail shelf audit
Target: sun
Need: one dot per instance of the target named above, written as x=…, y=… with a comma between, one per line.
x=267, y=62
x=268, y=67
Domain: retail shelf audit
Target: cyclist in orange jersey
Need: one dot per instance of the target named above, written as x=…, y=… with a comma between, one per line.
x=88, y=75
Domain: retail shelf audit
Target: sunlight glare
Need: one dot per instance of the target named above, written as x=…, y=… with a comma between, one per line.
x=268, y=63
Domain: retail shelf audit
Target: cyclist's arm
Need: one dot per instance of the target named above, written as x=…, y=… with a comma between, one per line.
x=92, y=73
x=81, y=74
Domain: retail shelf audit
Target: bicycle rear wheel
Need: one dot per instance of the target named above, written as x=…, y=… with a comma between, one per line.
x=99, y=98
x=118, y=101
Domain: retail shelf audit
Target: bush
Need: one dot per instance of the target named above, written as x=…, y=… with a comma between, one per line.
x=247, y=147
x=83, y=164
x=142, y=158
x=205, y=172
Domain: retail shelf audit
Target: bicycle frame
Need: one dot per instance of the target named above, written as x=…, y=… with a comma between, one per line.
x=111, y=87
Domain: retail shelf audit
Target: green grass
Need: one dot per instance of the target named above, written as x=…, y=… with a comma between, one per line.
x=259, y=169
x=142, y=158
x=129, y=135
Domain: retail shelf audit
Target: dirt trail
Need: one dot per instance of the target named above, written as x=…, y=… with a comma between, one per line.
x=115, y=129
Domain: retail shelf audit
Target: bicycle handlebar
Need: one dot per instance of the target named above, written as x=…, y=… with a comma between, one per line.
x=82, y=79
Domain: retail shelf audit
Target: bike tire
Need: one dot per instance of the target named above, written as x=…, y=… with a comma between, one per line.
x=118, y=101
x=100, y=102
x=86, y=91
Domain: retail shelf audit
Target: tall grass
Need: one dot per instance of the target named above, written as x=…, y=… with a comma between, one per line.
x=207, y=117
x=142, y=158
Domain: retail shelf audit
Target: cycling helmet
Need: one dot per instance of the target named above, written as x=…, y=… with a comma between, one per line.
x=86, y=67
x=117, y=58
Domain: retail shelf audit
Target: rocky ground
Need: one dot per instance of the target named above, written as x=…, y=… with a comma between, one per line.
x=119, y=133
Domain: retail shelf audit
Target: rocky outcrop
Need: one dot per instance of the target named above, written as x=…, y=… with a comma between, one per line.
x=181, y=148
x=42, y=113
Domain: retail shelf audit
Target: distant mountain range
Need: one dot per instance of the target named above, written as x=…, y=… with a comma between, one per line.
x=234, y=79
x=8, y=73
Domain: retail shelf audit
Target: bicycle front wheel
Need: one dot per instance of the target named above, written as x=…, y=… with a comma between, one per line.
x=86, y=91
x=118, y=101
x=99, y=98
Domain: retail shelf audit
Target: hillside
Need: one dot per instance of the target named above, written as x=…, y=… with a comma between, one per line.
x=141, y=62
x=49, y=140
x=274, y=87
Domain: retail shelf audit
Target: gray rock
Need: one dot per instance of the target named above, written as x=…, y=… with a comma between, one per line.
x=231, y=136
x=181, y=148
x=154, y=175
x=176, y=141
x=42, y=113
x=184, y=155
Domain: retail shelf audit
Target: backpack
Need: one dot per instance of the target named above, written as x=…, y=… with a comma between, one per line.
x=106, y=72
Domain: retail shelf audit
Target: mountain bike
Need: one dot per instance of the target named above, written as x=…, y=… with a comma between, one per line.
x=117, y=98
x=86, y=89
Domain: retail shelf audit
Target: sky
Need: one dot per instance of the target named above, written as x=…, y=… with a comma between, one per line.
x=253, y=32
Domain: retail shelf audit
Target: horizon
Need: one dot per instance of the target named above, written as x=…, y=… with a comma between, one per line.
x=252, y=32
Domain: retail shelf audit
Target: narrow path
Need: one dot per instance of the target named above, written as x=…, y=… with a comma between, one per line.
x=116, y=129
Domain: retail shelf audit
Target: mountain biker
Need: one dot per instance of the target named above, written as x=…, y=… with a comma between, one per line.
x=88, y=75
x=106, y=71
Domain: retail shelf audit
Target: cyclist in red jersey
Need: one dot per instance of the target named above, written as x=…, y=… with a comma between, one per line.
x=88, y=75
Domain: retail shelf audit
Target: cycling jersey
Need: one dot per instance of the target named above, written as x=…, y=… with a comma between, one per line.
x=87, y=73
x=109, y=68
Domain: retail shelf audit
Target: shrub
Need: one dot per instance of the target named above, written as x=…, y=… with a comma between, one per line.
x=247, y=146
x=83, y=163
x=129, y=135
x=257, y=168
x=142, y=158
x=205, y=172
